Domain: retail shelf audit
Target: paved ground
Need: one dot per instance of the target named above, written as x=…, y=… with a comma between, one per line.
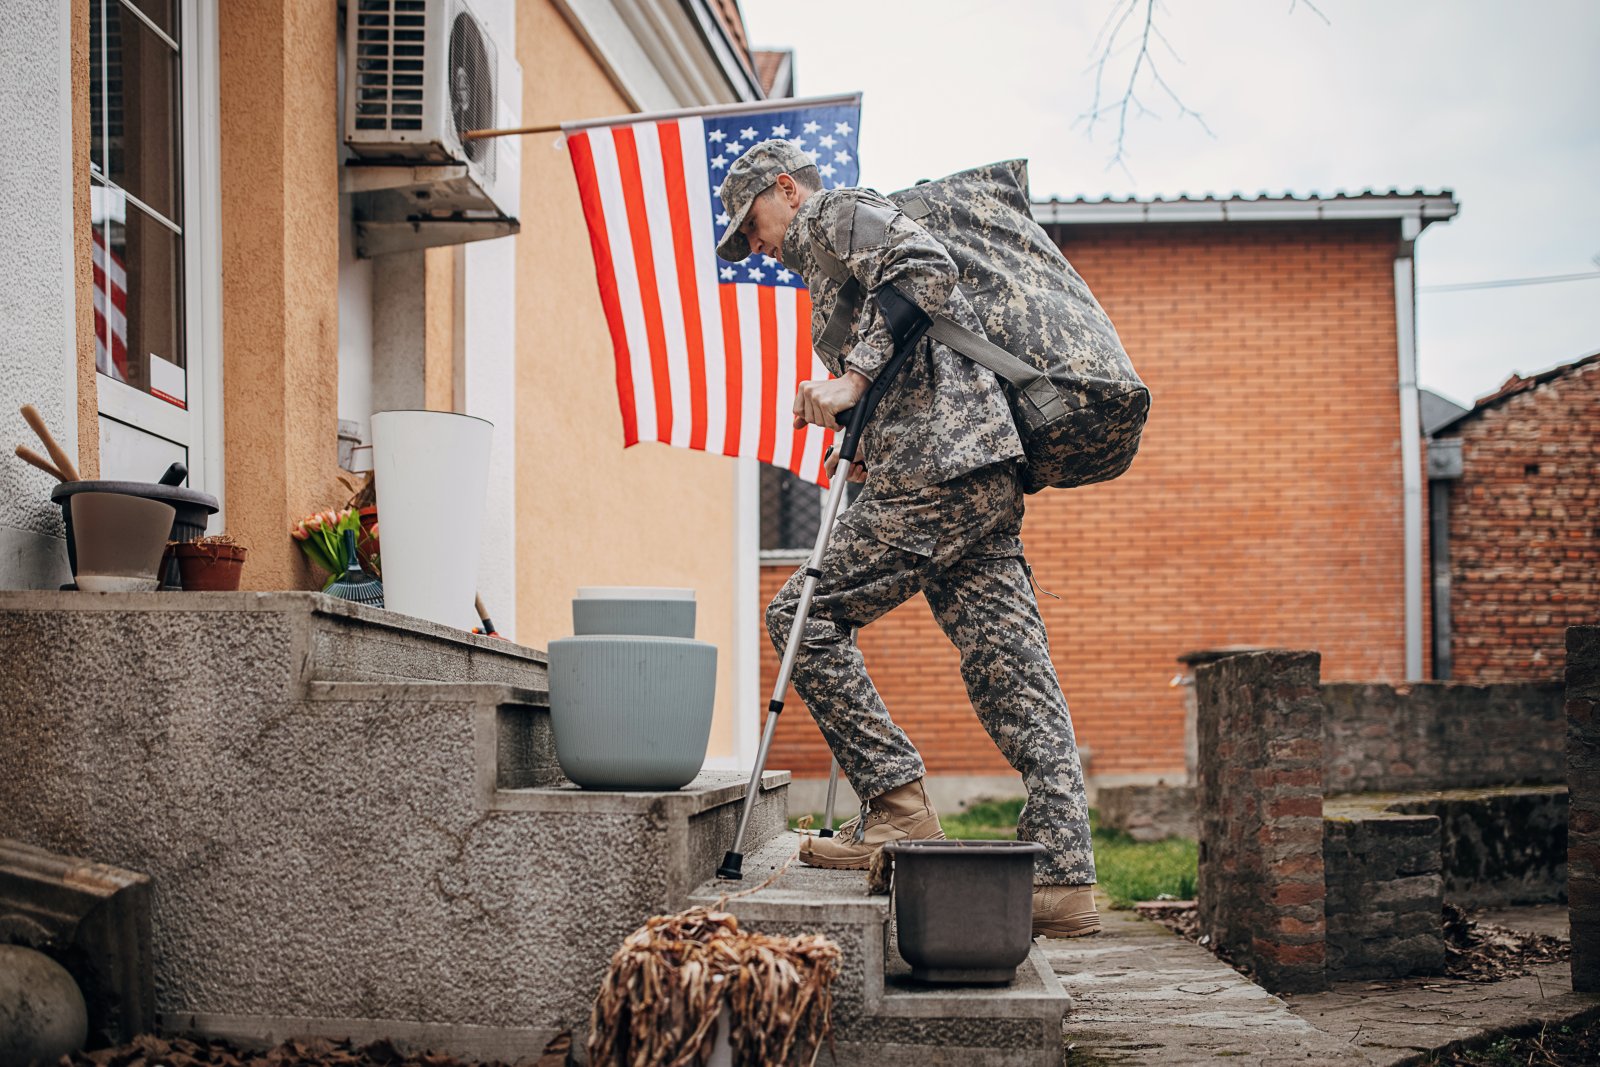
x=1144, y=995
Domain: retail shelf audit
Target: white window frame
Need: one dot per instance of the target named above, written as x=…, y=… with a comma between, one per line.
x=199, y=426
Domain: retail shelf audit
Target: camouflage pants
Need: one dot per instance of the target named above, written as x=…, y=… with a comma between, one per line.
x=967, y=560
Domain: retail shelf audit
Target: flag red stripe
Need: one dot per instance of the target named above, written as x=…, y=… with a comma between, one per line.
x=606, y=274
x=767, y=301
x=688, y=287
x=733, y=373
x=645, y=263
x=802, y=372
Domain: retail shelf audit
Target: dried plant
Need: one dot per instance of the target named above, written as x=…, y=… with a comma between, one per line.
x=659, y=1002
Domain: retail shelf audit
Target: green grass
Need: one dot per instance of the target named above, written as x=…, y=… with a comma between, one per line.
x=1129, y=870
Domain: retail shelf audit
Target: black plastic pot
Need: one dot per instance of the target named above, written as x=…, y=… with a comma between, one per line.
x=964, y=909
x=194, y=510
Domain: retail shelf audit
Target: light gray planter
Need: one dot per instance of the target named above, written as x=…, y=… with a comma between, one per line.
x=631, y=712
x=635, y=610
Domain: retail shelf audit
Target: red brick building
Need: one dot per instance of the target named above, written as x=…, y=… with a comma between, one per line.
x=1268, y=502
x=1520, y=473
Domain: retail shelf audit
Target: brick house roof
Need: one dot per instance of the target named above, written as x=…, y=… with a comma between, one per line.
x=731, y=19
x=1516, y=385
x=770, y=66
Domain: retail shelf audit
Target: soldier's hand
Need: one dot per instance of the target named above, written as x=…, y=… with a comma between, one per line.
x=818, y=402
x=858, y=469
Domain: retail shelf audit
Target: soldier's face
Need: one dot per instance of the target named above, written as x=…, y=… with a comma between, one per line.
x=769, y=216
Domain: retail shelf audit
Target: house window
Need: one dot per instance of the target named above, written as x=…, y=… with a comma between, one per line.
x=791, y=510
x=140, y=204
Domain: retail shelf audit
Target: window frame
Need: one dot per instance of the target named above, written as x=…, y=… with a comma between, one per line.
x=197, y=427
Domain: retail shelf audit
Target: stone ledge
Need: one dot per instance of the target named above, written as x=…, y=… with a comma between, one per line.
x=709, y=790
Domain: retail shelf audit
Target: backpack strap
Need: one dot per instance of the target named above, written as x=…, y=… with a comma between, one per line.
x=1028, y=380
x=851, y=296
x=1025, y=378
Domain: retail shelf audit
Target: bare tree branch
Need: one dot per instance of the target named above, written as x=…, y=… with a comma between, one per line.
x=1108, y=45
x=1314, y=8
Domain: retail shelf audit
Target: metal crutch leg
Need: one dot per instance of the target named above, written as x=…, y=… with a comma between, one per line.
x=907, y=323
x=833, y=782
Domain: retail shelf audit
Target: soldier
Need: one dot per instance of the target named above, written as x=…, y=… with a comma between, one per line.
x=940, y=513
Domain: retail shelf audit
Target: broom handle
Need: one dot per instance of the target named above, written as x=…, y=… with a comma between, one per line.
x=63, y=463
x=28, y=455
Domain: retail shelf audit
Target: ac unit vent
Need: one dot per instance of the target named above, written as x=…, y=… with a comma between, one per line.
x=472, y=86
x=391, y=37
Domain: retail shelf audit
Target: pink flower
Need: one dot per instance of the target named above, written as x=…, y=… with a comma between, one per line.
x=314, y=522
x=299, y=532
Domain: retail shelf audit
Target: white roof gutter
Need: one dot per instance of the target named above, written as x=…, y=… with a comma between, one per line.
x=1424, y=208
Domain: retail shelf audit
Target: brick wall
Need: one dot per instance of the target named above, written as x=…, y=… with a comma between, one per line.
x=1525, y=529
x=1443, y=735
x=1583, y=781
x=1264, y=507
x=1261, y=888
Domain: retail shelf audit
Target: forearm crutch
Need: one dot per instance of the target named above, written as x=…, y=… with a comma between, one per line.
x=907, y=323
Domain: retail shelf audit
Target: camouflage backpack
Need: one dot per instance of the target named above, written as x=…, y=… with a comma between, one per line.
x=1077, y=402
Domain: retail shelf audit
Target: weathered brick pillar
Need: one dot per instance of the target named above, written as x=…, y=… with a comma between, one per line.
x=1261, y=891
x=1583, y=788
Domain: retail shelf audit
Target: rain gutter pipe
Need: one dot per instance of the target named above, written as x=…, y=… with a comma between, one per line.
x=1410, y=438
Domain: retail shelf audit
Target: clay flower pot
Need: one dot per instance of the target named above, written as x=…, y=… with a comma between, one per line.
x=209, y=567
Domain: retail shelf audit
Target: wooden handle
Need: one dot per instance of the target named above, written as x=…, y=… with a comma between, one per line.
x=28, y=455
x=63, y=464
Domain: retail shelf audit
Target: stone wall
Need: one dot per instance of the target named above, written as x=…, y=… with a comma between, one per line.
x=1442, y=735
x=1261, y=890
x=1148, y=812
x=1385, y=896
x=1583, y=781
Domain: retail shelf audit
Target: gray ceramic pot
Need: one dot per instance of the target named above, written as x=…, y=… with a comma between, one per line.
x=964, y=909
x=634, y=618
x=640, y=612
x=631, y=712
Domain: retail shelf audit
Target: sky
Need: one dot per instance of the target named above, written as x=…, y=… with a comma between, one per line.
x=1497, y=102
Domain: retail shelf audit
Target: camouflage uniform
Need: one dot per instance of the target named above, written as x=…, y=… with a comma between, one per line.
x=940, y=514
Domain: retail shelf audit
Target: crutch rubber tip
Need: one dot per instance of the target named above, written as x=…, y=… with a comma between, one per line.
x=732, y=866
x=824, y=832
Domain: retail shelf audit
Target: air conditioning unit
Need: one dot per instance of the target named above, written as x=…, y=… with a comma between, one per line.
x=419, y=74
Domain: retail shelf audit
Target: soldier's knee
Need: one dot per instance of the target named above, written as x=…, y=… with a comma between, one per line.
x=780, y=616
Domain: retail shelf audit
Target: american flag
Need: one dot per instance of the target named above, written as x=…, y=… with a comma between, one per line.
x=110, y=311
x=708, y=353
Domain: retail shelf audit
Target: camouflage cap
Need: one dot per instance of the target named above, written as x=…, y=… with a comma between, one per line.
x=748, y=177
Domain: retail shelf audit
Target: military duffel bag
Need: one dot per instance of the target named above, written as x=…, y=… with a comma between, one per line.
x=1078, y=405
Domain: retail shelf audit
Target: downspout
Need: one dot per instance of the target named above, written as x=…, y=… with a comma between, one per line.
x=1410, y=439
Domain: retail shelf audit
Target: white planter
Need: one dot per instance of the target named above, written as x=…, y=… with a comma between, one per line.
x=432, y=470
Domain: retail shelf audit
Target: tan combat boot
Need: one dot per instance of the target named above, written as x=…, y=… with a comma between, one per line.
x=1065, y=911
x=902, y=814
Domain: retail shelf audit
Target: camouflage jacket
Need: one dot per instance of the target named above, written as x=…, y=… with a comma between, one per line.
x=947, y=415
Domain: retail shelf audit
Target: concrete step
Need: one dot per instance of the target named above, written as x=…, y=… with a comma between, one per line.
x=880, y=1016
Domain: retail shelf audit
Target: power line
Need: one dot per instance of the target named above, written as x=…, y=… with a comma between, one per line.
x=1501, y=283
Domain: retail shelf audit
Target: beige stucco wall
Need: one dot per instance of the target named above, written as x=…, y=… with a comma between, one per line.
x=83, y=250
x=280, y=275
x=590, y=513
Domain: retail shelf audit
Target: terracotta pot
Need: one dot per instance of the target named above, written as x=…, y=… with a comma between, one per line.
x=209, y=568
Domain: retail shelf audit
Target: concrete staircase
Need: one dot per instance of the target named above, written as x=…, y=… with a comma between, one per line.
x=353, y=821
x=881, y=1018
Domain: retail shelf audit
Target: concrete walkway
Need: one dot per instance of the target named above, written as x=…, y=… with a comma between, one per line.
x=1143, y=995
